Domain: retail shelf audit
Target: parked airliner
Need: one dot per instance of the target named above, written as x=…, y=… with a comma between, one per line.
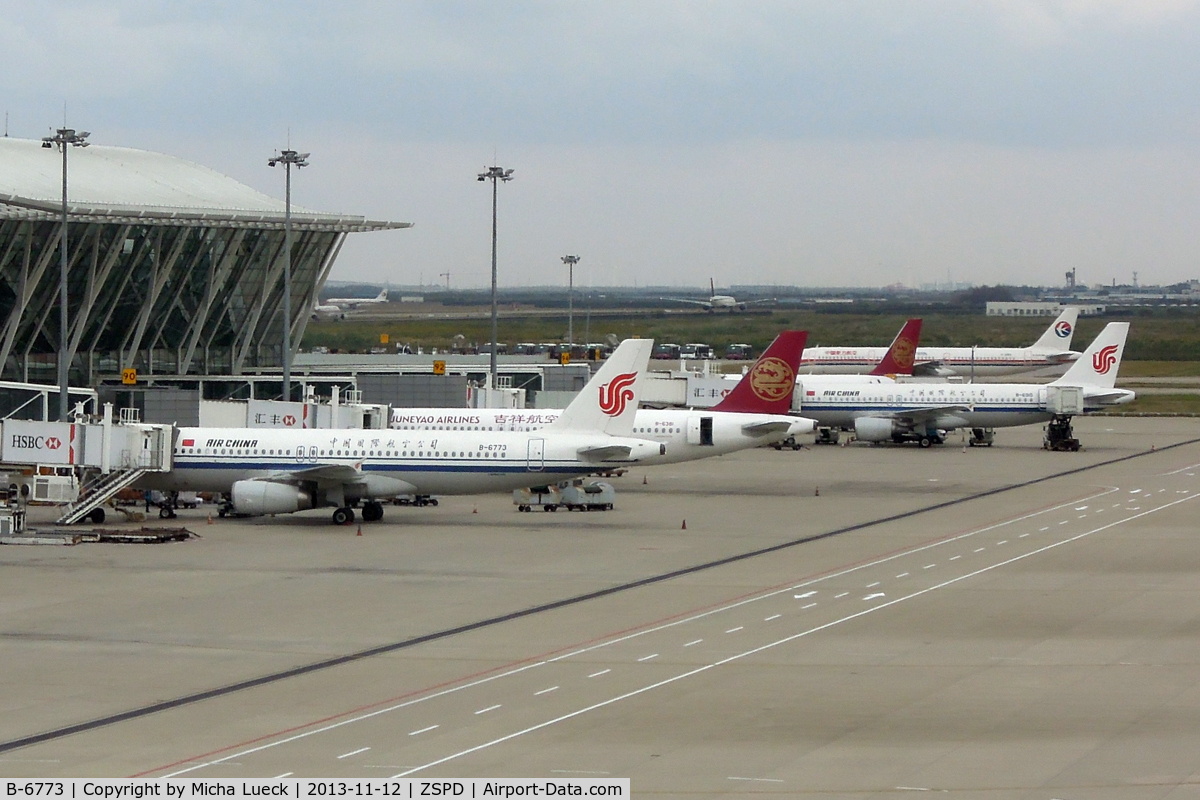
x=754, y=413
x=878, y=409
x=336, y=307
x=1052, y=349
x=271, y=471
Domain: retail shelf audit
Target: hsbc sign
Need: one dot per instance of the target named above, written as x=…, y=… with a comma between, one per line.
x=26, y=442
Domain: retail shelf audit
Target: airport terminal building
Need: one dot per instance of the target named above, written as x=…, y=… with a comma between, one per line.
x=174, y=269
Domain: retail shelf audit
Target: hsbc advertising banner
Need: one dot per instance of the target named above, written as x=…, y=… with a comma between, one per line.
x=278, y=414
x=26, y=442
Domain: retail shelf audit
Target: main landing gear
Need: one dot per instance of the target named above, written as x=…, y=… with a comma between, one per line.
x=372, y=511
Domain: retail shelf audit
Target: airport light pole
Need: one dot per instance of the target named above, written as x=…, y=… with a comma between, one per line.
x=288, y=158
x=495, y=175
x=64, y=138
x=570, y=261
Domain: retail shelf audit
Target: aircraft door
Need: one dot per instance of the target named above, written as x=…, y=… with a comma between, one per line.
x=536, y=455
x=700, y=431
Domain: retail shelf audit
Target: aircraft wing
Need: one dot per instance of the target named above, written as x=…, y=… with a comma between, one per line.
x=334, y=473
x=609, y=452
x=932, y=368
x=767, y=427
x=914, y=417
x=755, y=302
x=705, y=303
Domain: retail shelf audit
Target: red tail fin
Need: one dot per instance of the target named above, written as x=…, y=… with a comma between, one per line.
x=902, y=354
x=767, y=387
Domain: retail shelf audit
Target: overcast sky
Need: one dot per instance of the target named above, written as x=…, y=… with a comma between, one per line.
x=813, y=143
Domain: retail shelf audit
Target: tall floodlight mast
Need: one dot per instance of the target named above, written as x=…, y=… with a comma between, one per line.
x=288, y=158
x=62, y=138
x=495, y=175
x=570, y=261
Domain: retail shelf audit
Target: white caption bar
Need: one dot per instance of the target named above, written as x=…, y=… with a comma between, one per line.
x=305, y=789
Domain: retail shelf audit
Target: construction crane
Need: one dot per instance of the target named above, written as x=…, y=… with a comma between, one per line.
x=445, y=275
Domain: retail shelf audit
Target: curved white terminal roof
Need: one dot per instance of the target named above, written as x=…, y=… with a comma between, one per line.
x=121, y=184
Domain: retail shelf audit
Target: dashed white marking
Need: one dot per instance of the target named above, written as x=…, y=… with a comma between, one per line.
x=486, y=710
x=604, y=672
x=810, y=605
x=773, y=616
x=1135, y=508
x=839, y=596
x=1081, y=508
x=902, y=575
x=1064, y=522
x=929, y=566
x=955, y=558
x=354, y=752
x=1002, y=541
x=802, y=596
x=873, y=596
x=1042, y=530
x=1081, y=516
x=872, y=585
x=1023, y=535
x=647, y=658
x=1134, y=491
x=696, y=641
x=551, y=689
x=735, y=630
x=284, y=775
x=980, y=549
x=424, y=730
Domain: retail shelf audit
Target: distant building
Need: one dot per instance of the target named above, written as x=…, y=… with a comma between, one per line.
x=1036, y=309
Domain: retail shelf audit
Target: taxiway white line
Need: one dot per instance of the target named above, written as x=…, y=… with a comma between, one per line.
x=647, y=658
x=929, y=566
x=546, y=691
x=872, y=585
x=485, y=710
x=902, y=575
x=664, y=626
x=980, y=549
x=423, y=730
x=785, y=640
x=773, y=616
x=1023, y=535
x=353, y=752
x=601, y=672
x=735, y=630
x=955, y=558
x=810, y=605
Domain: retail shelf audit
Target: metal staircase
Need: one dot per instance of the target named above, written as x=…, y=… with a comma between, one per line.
x=99, y=491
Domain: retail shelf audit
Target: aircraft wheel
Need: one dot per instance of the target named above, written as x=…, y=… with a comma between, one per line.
x=372, y=512
x=96, y=516
x=433, y=501
x=926, y=441
x=343, y=516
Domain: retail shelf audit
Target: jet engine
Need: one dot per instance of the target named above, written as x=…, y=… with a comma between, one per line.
x=266, y=497
x=874, y=429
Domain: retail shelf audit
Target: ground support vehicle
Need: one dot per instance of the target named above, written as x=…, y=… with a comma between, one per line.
x=548, y=497
x=1059, y=436
x=595, y=496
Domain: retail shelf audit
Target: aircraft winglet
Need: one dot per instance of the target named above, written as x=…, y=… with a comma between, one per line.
x=767, y=388
x=609, y=402
x=901, y=355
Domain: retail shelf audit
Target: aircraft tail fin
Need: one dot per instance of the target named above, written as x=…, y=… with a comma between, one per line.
x=1099, y=363
x=609, y=402
x=382, y=297
x=902, y=354
x=1058, y=336
x=767, y=388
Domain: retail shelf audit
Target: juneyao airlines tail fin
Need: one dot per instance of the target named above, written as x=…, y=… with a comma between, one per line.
x=900, y=356
x=382, y=296
x=1099, y=363
x=609, y=402
x=767, y=388
x=1058, y=336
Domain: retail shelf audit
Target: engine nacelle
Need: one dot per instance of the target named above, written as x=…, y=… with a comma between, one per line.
x=257, y=498
x=874, y=429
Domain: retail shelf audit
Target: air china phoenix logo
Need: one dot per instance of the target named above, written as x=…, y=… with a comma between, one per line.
x=1103, y=360
x=772, y=379
x=616, y=394
x=1062, y=329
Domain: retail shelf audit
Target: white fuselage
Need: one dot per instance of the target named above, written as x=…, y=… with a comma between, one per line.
x=838, y=403
x=688, y=435
x=418, y=462
x=982, y=361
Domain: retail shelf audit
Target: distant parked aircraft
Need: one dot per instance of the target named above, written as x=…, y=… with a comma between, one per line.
x=716, y=301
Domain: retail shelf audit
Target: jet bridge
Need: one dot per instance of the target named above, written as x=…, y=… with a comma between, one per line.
x=112, y=454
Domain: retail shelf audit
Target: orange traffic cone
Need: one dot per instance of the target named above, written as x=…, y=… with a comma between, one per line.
x=475, y=510
x=817, y=493
x=644, y=481
x=684, y=528
x=359, y=530
x=210, y=519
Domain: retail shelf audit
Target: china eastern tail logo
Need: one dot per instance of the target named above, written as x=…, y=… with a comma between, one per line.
x=617, y=393
x=772, y=379
x=1103, y=360
x=1062, y=329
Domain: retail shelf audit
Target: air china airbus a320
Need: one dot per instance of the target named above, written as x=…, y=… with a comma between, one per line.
x=754, y=413
x=269, y=471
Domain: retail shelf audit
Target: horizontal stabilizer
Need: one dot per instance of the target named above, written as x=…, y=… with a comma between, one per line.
x=611, y=452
